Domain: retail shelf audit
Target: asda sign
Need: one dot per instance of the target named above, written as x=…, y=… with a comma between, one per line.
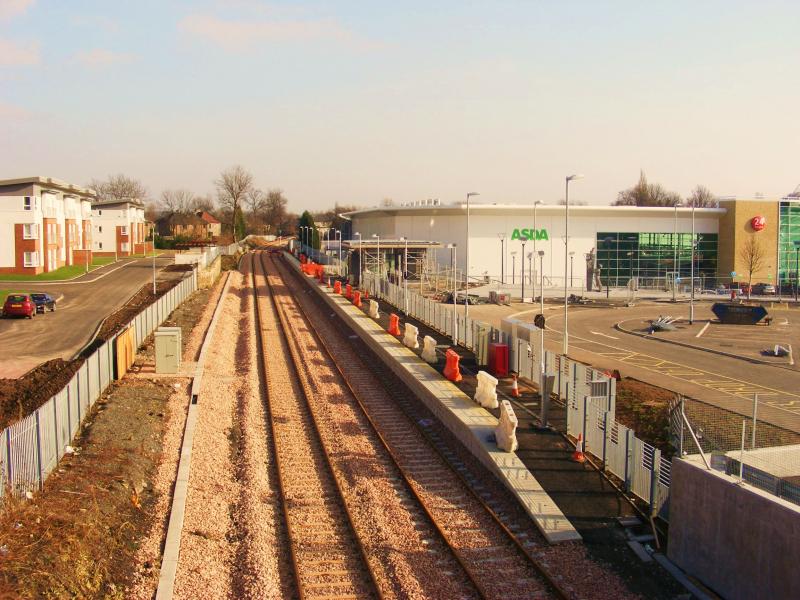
x=541, y=234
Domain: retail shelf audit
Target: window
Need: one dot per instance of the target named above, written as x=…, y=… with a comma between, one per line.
x=123, y=247
x=27, y=204
x=99, y=212
x=100, y=229
x=123, y=230
x=29, y=231
x=30, y=259
x=101, y=245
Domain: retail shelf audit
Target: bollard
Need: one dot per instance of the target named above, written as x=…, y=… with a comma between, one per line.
x=394, y=324
x=486, y=394
x=429, y=349
x=410, y=339
x=451, y=370
x=506, y=431
x=373, y=309
x=327, y=282
x=337, y=287
x=348, y=291
x=357, y=299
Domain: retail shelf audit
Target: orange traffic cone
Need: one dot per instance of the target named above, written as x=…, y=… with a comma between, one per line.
x=578, y=455
x=515, y=387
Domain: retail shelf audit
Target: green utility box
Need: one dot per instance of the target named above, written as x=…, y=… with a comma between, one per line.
x=168, y=349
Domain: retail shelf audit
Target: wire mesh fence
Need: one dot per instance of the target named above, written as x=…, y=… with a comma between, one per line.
x=31, y=448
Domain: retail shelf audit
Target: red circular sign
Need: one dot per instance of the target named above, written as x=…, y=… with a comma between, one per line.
x=758, y=223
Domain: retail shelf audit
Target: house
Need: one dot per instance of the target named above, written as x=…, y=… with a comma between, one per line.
x=45, y=224
x=198, y=226
x=120, y=228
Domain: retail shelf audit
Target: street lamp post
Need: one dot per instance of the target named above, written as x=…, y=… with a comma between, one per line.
x=455, y=289
x=513, y=267
x=675, y=265
x=571, y=256
x=541, y=308
x=375, y=235
x=565, y=348
x=502, y=237
x=522, y=260
x=535, y=230
x=466, y=272
x=360, y=261
x=691, y=296
x=532, y=276
x=338, y=234
x=405, y=273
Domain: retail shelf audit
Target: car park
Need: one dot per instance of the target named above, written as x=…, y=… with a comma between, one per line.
x=43, y=302
x=19, y=305
x=764, y=289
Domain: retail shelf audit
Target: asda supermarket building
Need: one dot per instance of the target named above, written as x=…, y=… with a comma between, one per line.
x=615, y=242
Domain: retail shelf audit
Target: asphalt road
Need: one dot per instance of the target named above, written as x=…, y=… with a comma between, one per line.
x=720, y=380
x=25, y=343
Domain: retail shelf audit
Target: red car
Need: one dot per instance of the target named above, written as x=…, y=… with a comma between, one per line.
x=19, y=305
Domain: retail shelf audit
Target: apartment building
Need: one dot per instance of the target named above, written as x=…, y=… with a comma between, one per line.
x=45, y=224
x=120, y=228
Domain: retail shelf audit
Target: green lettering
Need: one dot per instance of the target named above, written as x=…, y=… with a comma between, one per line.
x=515, y=234
x=542, y=235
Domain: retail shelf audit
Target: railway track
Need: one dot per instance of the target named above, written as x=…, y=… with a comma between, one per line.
x=499, y=559
x=327, y=558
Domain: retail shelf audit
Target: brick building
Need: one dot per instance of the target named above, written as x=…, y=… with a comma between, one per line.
x=45, y=224
x=120, y=228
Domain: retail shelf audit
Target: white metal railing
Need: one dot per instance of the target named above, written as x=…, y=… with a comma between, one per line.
x=31, y=448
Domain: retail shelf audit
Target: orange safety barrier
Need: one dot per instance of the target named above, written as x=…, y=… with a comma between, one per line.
x=320, y=273
x=357, y=299
x=394, y=324
x=337, y=287
x=451, y=370
x=348, y=292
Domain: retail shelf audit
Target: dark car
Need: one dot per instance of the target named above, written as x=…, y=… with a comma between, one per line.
x=43, y=302
x=460, y=299
x=764, y=289
x=19, y=305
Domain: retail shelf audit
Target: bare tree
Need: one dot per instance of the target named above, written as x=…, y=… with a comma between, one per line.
x=177, y=201
x=275, y=210
x=702, y=197
x=205, y=203
x=754, y=257
x=647, y=194
x=387, y=202
x=119, y=187
x=233, y=187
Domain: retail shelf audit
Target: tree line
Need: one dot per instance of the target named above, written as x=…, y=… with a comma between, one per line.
x=645, y=193
x=237, y=202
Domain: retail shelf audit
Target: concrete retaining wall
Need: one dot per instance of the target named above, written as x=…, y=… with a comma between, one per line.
x=739, y=541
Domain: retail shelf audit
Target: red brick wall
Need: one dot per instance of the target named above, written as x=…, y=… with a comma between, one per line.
x=22, y=245
x=79, y=257
x=87, y=234
x=123, y=239
x=69, y=241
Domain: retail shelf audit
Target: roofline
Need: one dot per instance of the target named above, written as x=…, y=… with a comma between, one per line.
x=135, y=201
x=546, y=208
x=50, y=182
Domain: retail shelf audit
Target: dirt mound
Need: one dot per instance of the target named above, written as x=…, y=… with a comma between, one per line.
x=20, y=397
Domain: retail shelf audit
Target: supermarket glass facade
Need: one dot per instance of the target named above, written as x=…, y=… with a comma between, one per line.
x=656, y=258
x=788, y=234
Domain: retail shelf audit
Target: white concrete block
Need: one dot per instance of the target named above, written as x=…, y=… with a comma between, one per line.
x=429, y=349
x=373, y=309
x=411, y=336
x=506, y=431
x=486, y=394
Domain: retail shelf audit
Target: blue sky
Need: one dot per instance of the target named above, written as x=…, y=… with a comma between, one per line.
x=352, y=102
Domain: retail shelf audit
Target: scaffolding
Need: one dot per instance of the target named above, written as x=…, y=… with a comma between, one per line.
x=387, y=258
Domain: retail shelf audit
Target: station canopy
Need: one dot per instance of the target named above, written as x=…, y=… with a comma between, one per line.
x=371, y=243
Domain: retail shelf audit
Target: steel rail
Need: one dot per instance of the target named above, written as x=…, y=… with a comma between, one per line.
x=554, y=586
x=293, y=365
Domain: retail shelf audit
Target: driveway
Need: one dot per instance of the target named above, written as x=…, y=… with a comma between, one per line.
x=87, y=300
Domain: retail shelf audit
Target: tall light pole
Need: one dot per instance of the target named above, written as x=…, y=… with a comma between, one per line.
x=375, y=235
x=338, y=234
x=691, y=296
x=535, y=230
x=571, y=256
x=154, y=265
x=455, y=290
x=569, y=178
x=522, y=260
x=675, y=265
x=502, y=237
x=360, y=261
x=466, y=272
x=513, y=267
x=405, y=273
x=541, y=308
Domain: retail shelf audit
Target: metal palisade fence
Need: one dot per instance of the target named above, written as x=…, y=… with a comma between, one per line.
x=31, y=448
x=588, y=394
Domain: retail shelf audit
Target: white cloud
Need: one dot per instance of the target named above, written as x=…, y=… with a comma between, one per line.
x=15, y=54
x=238, y=34
x=99, y=57
x=12, y=111
x=11, y=8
